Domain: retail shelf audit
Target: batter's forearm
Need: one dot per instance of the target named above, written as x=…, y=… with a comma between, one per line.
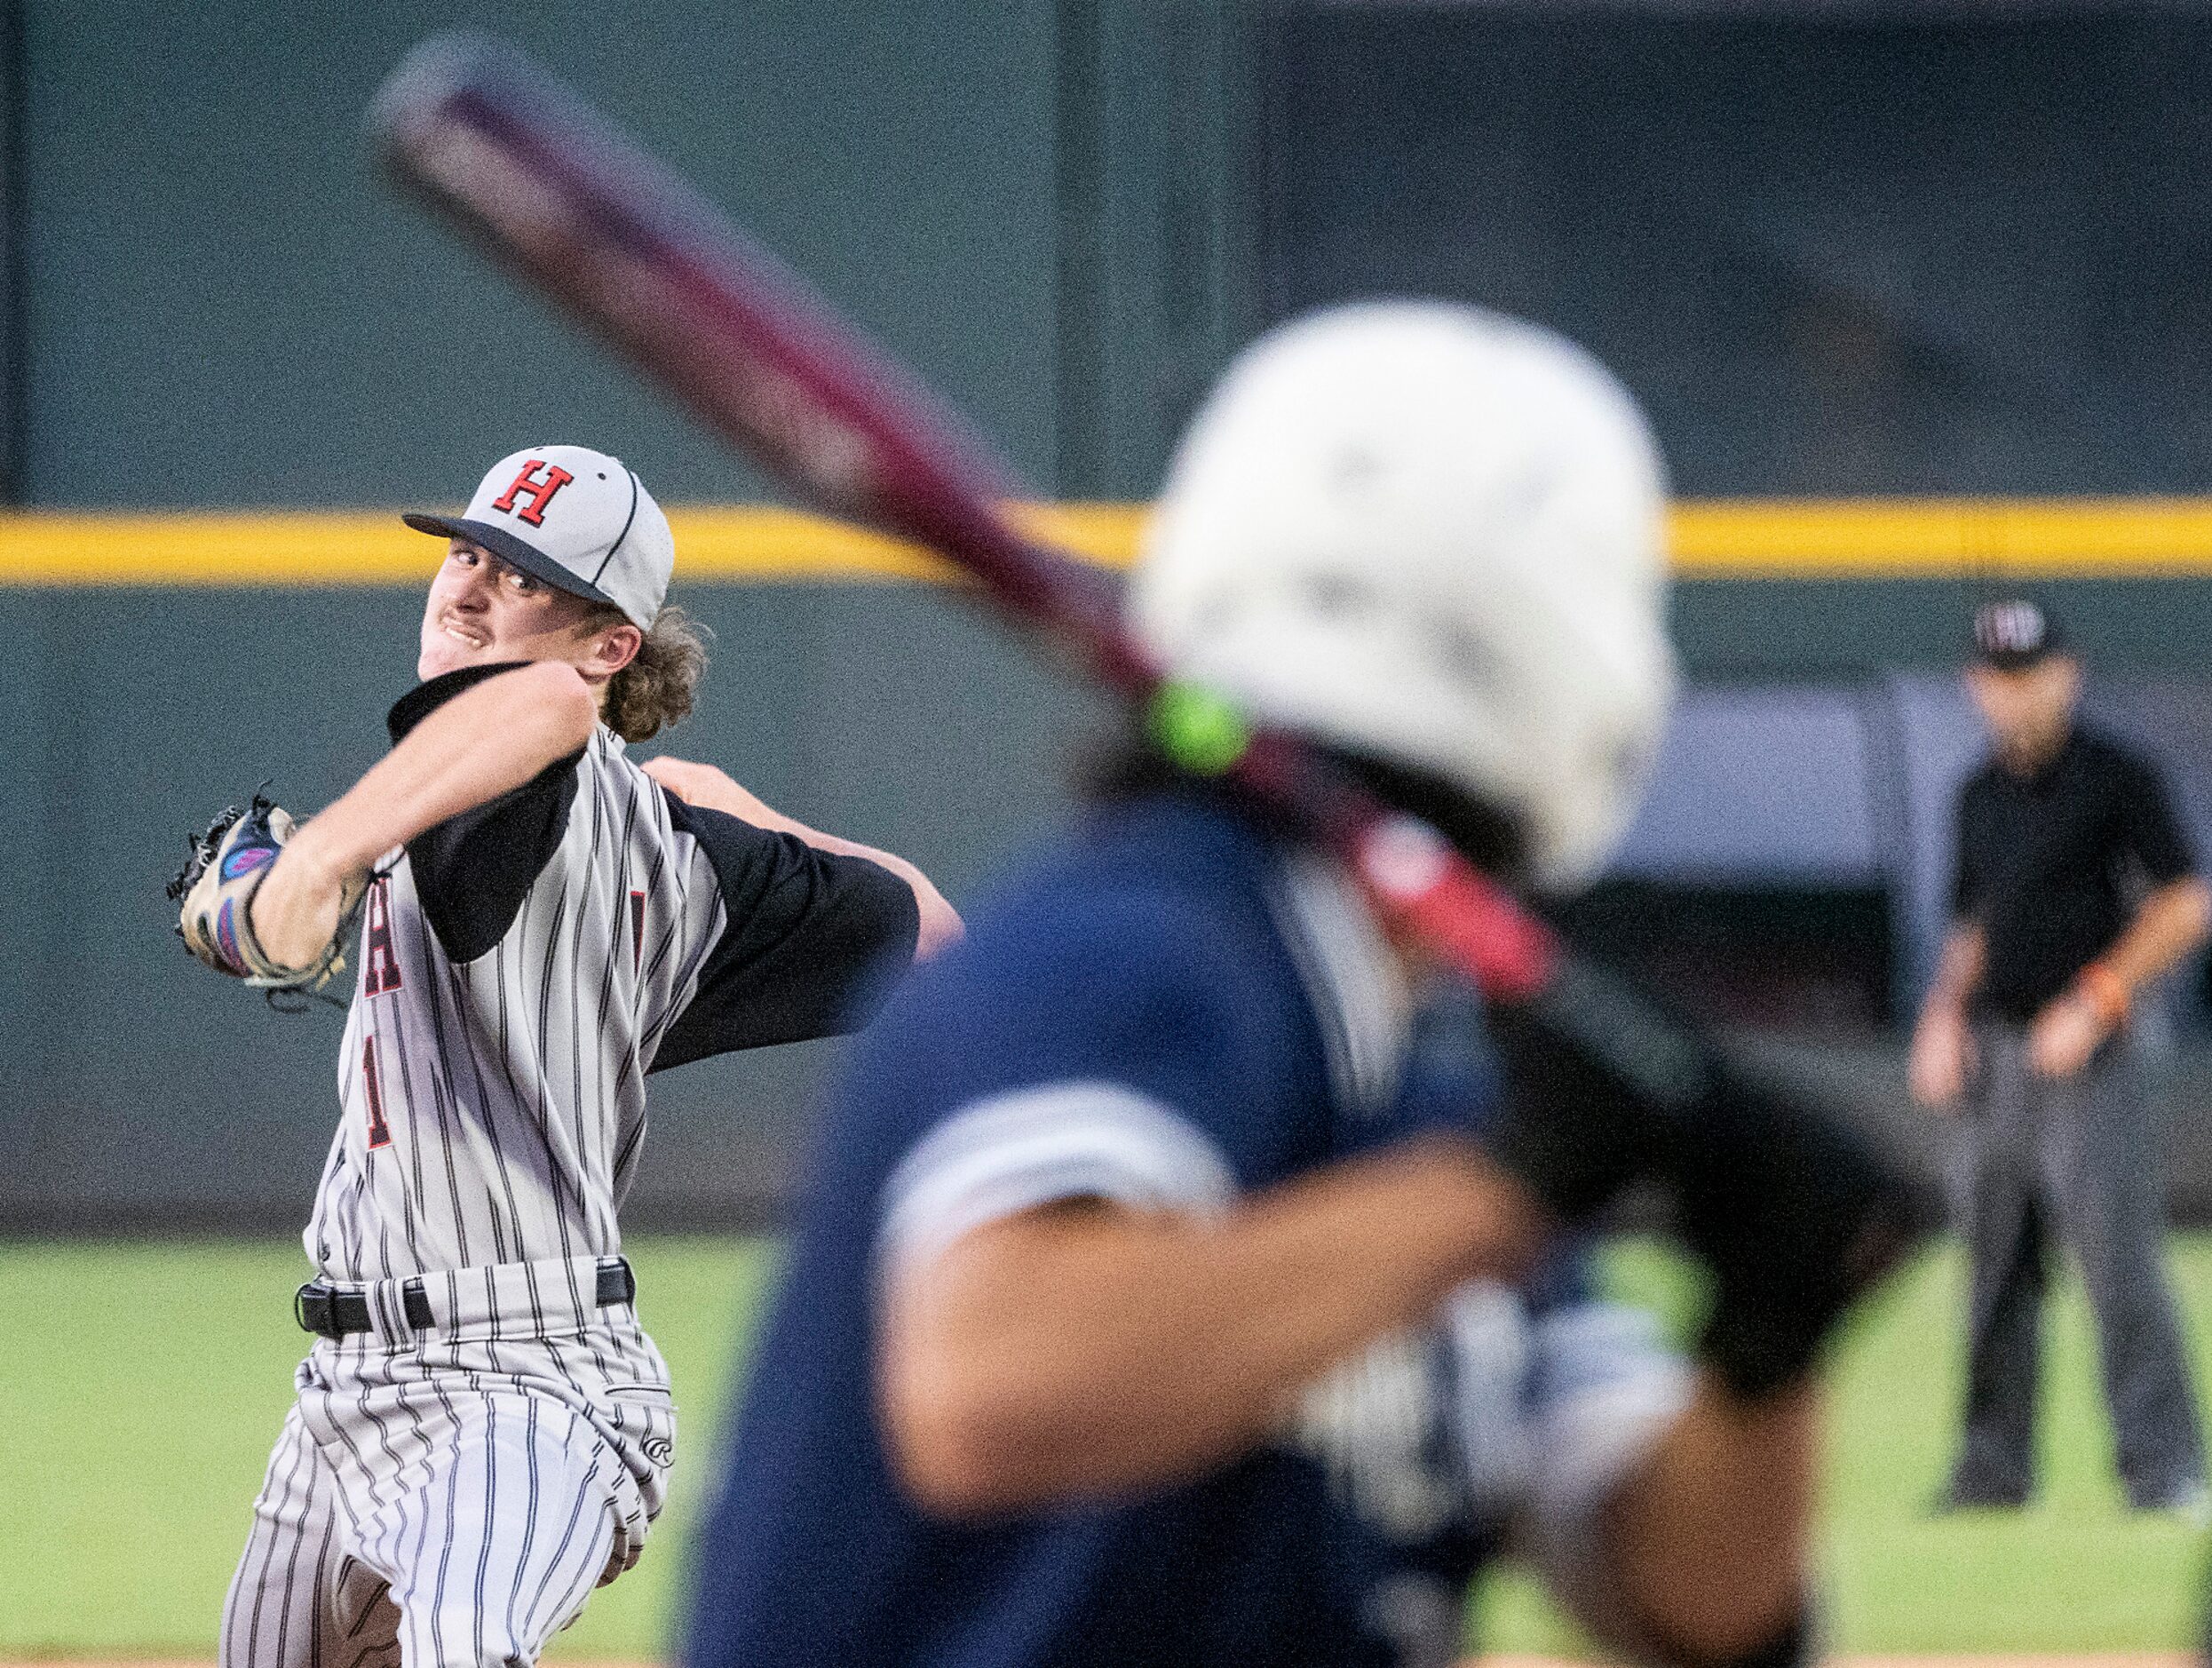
x=996, y=1352
x=1709, y=1537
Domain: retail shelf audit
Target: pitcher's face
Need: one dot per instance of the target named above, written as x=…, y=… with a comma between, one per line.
x=481, y=611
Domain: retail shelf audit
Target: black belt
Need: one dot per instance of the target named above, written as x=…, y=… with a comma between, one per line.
x=334, y=1313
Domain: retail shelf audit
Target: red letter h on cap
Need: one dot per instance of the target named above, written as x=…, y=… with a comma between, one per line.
x=541, y=491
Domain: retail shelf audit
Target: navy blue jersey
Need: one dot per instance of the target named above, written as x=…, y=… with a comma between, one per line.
x=1172, y=1010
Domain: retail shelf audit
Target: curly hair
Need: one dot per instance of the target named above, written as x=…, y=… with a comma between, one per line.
x=660, y=685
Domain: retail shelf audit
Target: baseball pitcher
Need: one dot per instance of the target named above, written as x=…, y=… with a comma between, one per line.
x=483, y=1431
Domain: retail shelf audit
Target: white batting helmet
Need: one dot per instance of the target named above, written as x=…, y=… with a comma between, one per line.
x=1430, y=534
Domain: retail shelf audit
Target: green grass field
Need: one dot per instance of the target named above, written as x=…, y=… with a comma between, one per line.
x=145, y=1383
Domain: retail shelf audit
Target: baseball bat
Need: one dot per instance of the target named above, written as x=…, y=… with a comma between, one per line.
x=638, y=256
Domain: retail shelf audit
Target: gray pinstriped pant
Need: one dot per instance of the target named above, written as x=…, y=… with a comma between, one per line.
x=420, y=1512
x=2077, y=1160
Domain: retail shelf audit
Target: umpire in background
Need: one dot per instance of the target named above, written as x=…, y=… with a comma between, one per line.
x=2074, y=889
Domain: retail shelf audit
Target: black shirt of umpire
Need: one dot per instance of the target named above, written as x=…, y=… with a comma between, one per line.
x=2052, y=866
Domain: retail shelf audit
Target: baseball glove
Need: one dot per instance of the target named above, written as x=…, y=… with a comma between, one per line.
x=215, y=891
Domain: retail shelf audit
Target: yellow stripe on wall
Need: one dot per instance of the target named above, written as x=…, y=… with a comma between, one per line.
x=373, y=548
x=1939, y=538
x=1942, y=538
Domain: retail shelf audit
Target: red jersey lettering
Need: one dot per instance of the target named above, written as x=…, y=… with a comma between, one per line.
x=380, y=966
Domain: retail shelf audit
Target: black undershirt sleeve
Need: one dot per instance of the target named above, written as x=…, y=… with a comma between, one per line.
x=2149, y=827
x=472, y=871
x=811, y=943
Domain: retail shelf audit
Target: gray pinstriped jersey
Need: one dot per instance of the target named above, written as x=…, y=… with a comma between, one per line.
x=494, y=1108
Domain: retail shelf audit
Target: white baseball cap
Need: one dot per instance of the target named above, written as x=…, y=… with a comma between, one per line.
x=574, y=518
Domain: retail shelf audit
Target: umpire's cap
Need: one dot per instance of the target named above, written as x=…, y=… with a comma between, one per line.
x=2014, y=634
